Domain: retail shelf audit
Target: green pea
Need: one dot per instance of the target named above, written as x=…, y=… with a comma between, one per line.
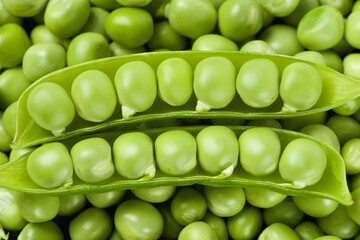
x=24, y=8
x=280, y=8
x=354, y=182
x=308, y=230
x=278, y=231
x=345, y=128
x=354, y=210
x=154, y=194
x=300, y=87
x=171, y=228
x=133, y=156
x=246, y=224
x=210, y=92
x=214, y=42
x=136, y=219
x=315, y=207
x=115, y=235
x=135, y=84
x=130, y=27
x=71, y=204
x=94, y=96
x=96, y=22
x=352, y=29
x=218, y=150
x=351, y=65
x=328, y=237
x=43, y=58
x=338, y=223
x=297, y=163
x=323, y=133
x=9, y=120
x=50, y=106
x=105, y=199
x=197, y=230
x=3, y=159
x=188, y=205
x=175, y=152
x=271, y=123
x=13, y=43
x=297, y=123
x=118, y=50
x=257, y=46
x=258, y=82
x=343, y=48
x=134, y=3
x=10, y=217
x=348, y=108
x=106, y=4
x=50, y=166
x=5, y=139
x=37, y=208
x=218, y=224
x=224, y=201
x=263, y=198
x=91, y=224
x=175, y=80
x=239, y=19
x=320, y=20
x=45, y=230
x=41, y=34
x=65, y=18
x=350, y=153
x=7, y=17
x=332, y=60
x=302, y=8
x=282, y=38
x=343, y=6
x=311, y=56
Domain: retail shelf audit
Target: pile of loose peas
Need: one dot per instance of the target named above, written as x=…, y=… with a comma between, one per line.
x=38, y=37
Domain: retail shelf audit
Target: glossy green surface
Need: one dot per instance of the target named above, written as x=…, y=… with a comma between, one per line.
x=105, y=199
x=155, y=194
x=197, y=230
x=315, y=207
x=46, y=230
x=263, y=198
x=278, y=231
x=10, y=217
x=308, y=230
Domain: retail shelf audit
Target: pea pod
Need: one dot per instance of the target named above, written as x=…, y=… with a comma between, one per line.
x=332, y=184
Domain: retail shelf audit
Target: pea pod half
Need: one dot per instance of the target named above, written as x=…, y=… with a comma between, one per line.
x=191, y=88
x=332, y=184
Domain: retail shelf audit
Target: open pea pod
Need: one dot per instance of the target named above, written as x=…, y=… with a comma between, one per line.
x=203, y=102
x=332, y=184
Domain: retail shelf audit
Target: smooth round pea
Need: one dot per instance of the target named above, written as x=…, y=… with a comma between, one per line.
x=94, y=96
x=9, y=120
x=41, y=34
x=135, y=84
x=154, y=194
x=246, y=224
x=300, y=87
x=271, y=123
x=352, y=29
x=302, y=8
x=45, y=230
x=65, y=18
x=50, y=106
x=133, y=155
x=343, y=6
x=7, y=17
x=321, y=28
x=175, y=80
x=278, y=231
x=354, y=182
x=117, y=50
x=96, y=22
x=345, y=128
x=214, y=42
x=43, y=58
x=322, y=132
x=332, y=60
x=348, y=108
x=37, y=208
x=134, y=3
x=10, y=217
x=263, y=198
x=24, y=8
x=13, y=44
x=351, y=65
x=3, y=159
x=302, y=162
x=218, y=224
x=91, y=224
x=71, y=204
x=224, y=201
x=239, y=19
x=308, y=230
x=257, y=46
x=311, y=56
x=210, y=92
x=350, y=153
x=129, y=26
x=315, y=207
x=218, y=150
x=280, y=8
x=343, y=48
x=105, y=199
x=106, y=4
x=136, y=219
x=188, y=205
x=354, y=209
x=197, y=230
x=50, y=165
x=171, y=228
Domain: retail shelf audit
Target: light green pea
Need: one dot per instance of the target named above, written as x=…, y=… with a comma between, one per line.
x=354, y=210
x=7, y=17
x=259, y=46
x=171, y=227
x=300, y=87
x=210, y=92
x=352, y=29
x=303, y=7
x=3, y=159
x=321, y=28
x=351, y=153
x=344, y=6
x=71, y=204
x=315, y=207
x=348, y=108
x=175, y=152
x=92, y=160
x=50, y=166
x=311, y=56
x=333, y=60
x=308, y=230
x=302, y=162
x=197, y=230
x=135, y=84
x=345, y=128
x=218, y=224
x=96, y=22
x=260, y=150
x=175, y=80
x=214, y=42
x=218, y=150
x=10, y=217
x=105, y=199
x=224, y=201
x=133, y=156
x=24, y=8
x=118, y=50
x=258, y=82
x=154, y=194
x=263, y=198
x=323, y=133
x=94, y=96
x=280, y=8
x=50, y=107
x=9, y=120
x=351, y=65
x=41, y=34
x=45, y=230
x=278, y=231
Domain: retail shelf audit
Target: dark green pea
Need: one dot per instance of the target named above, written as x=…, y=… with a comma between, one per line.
x=278, y=231
x=354, y=182
x=350, y=153
x=136, y=219
x=210, y=92
x=271, y=123
x=308, y=230
x=115, y=235
x=218, y=150
x=41, y=34
x=106, y=4
x=332, y=60
x=328, y=237
x=246, y=224
x=263, y=198
x=91, y=224
x=45, y=230
x=218, y=224
x=257, y=46
x=188, y=205
x=240, y=19
x=96, y=22
x=10, y=216
x=311, y=56
x=7, y=17
x=343, y=48
x=353, y=211
x=214, y=42
x=302, y=8
x=348, y=108
x=171, y=227
x=315, y=207
x=3, y=158
x=9, y=120
x=118, y=50
x=71, y=204
x=5, y=139
x=197, y=230
x=105, y=199
x=345, y=128
x=338, y=223
x=224, y=201
x=24, y=8
x=165, y=36
x=323, y=133
x=65, y=18
x=297, y=123
x=154, y=194
x=280, y=9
